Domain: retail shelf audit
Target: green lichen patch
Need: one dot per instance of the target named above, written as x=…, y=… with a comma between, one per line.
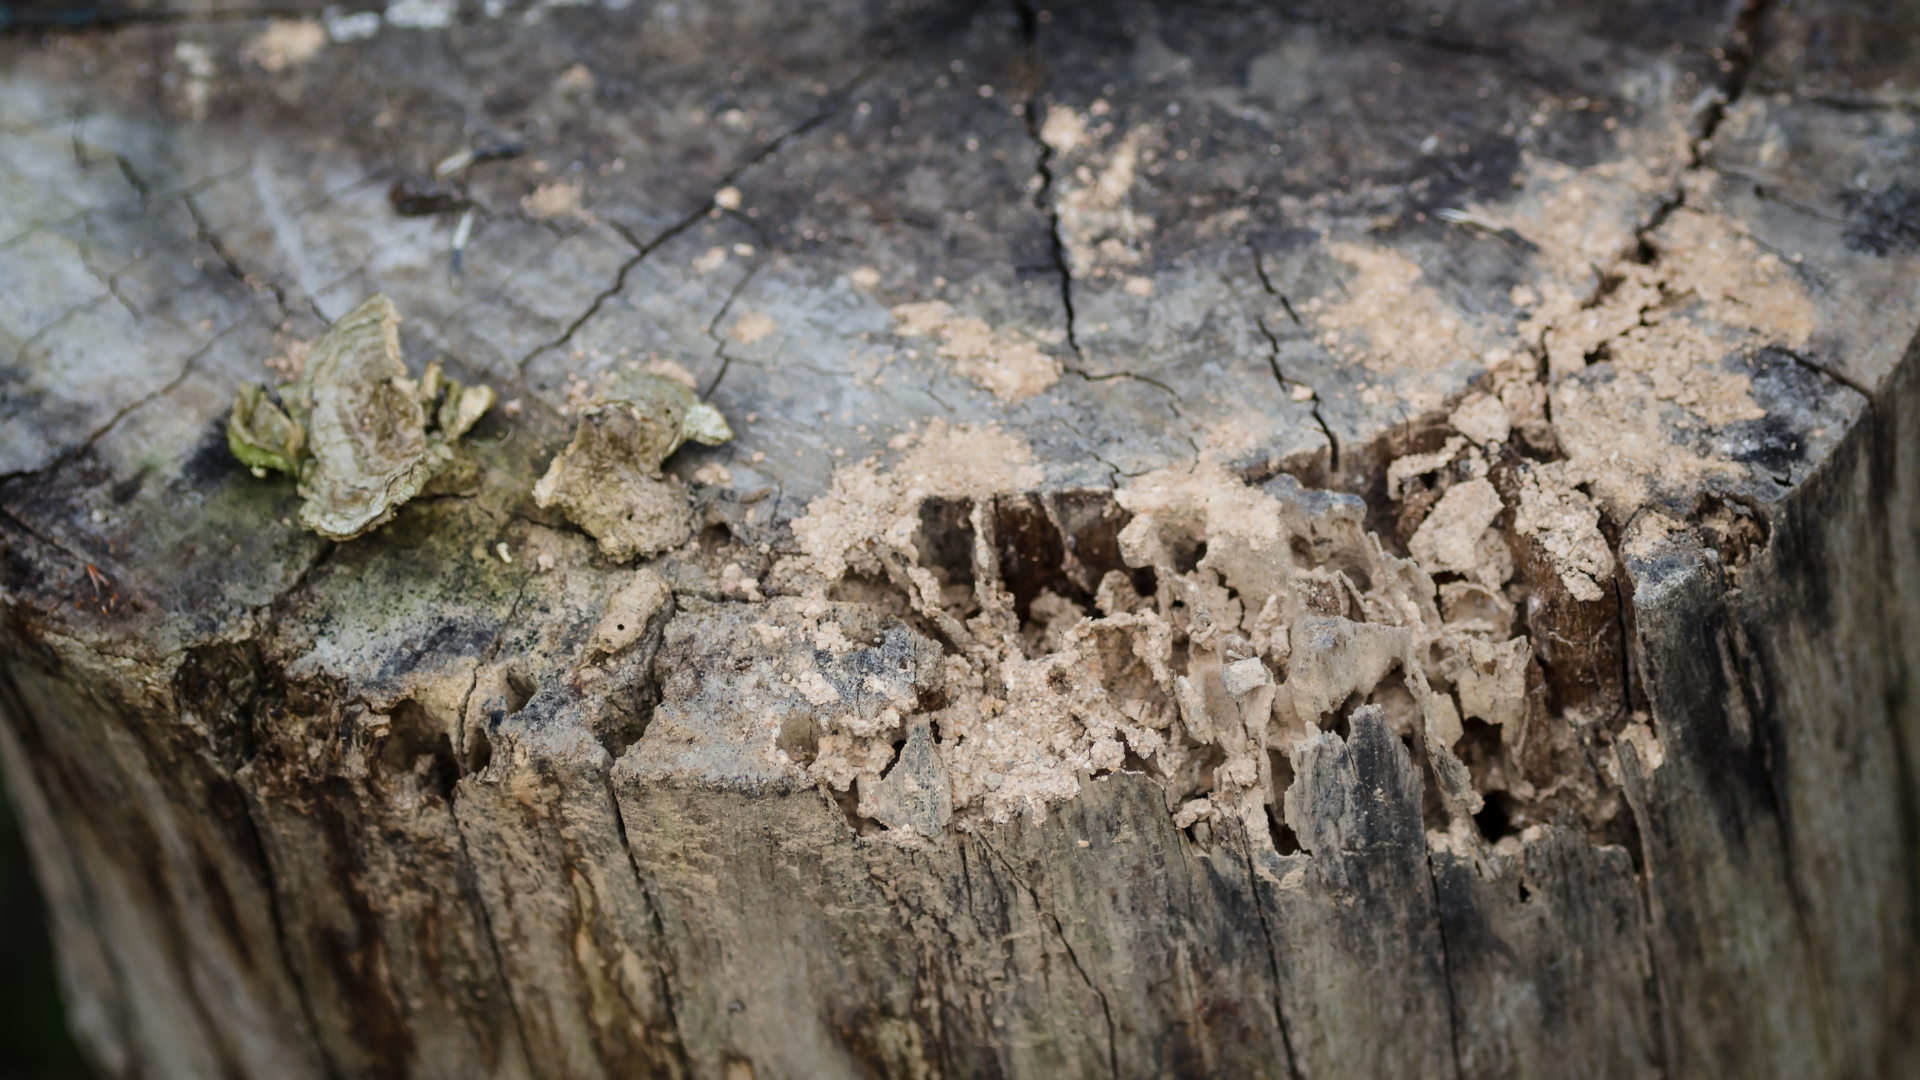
x=608, y=479
x=359, y=434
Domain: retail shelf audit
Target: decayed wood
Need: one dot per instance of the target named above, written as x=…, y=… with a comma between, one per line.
x=1332, y=540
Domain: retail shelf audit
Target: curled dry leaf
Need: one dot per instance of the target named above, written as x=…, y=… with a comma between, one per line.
x=359, y=435
x=608, y=479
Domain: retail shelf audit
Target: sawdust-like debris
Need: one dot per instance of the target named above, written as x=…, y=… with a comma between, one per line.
x=1012, y=368
x=1100, y=229
x=1245, y=653
x=1450, y=538
x=1388, y=318
x=754, y=326
x=286, y=43
x=870, y=508
x=1668, y=314
x=1566, y=524
x=556, y=198
x=1482, y=418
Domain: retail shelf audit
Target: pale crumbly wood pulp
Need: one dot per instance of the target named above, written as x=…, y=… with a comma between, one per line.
x=1309, y=541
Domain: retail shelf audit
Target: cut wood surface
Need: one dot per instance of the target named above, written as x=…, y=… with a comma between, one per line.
x=1303, y=540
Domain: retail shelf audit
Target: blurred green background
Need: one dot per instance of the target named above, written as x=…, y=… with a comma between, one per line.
x=34, y=1042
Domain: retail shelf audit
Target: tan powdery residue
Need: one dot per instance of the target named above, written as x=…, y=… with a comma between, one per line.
x=871, y=509
x=1482, y=418
x=1228, y=661
x=1064, y=130
x=576, y=79
x=1099, y=228
x=1006, y=745
x=1204, y=493
x=1388, y=318
x=1413, y=466
x=1683, y=364
x=1450, y=538
x=1649, y=534
x=1580, y=222
x=1024, y=742
x=286, y=43
x=1743, y=289
x=556, y=198
x=1584, y=223
x=1646, y=745
x=1235, y=437
x=1709, y=290
x=1566, y=524
x=754, y=326
x=1665, y=326
x=1617, y=442
x=1011, y=368
x=670, y=369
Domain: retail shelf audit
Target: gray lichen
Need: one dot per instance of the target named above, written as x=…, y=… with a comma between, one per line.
x=608, y=479
x=359, y=434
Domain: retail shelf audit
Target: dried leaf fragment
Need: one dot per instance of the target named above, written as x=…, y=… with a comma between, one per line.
x=361, y=437
x=608, y=480
x=262, y=435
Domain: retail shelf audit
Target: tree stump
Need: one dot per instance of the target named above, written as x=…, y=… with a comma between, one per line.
x=1308, y=540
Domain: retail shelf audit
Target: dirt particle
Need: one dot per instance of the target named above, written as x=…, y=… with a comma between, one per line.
x=1482, y=418
x=754, y=326
x=577, y=80
x=286, y=43
x=553, y=199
